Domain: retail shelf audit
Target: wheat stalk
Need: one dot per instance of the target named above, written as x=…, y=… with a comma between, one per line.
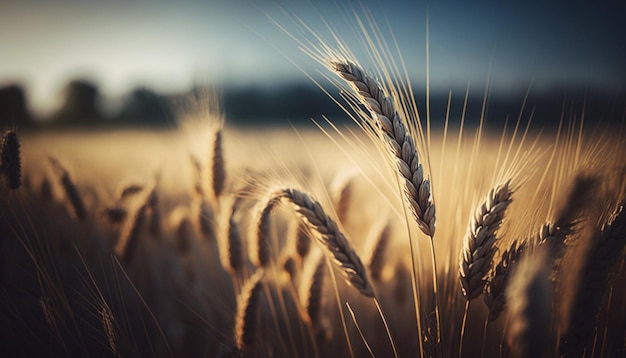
x=398, y=140
x=10, y=164
x=479, y=243
x=246, y=316
x=331, y=237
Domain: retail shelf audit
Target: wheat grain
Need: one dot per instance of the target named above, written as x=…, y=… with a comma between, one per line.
x=331, y=237
x=479, y=242
x=397, y=139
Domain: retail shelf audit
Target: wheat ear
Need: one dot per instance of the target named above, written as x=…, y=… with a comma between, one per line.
x=312, y=290
x=10, y=165
x=246, y=316
x=303, y=241
x=232, y=256
x=263, y=232
x=376, y=261
x=479, y=243
x=218, y=170
x=331, y=237
x=130, y=234
x=495, y=299
x=341, y=195
x=397, y=139
x=529, y=306
x=71, y=191
x=607, y=248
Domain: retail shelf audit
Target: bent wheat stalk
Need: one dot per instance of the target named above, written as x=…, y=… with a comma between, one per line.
x=330, y=236
x=398, y=140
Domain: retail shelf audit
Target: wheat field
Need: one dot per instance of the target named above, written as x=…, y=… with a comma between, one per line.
x=387, y=237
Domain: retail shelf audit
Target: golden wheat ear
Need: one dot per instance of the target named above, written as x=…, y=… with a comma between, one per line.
x=495, y=299
x=329, y=235
x=479, y=242
x=218, y=168
x=10, y=164
x=397, y=139
x=246, y=316
x=262, y=232
x=312, y=290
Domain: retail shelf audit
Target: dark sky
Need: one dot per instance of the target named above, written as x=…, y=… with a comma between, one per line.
x=168, y=45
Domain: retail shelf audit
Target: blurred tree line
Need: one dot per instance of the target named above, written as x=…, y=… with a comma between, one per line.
x=299, y=103
x=82, y=107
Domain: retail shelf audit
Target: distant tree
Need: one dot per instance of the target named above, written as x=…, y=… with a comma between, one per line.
x=81, y=104
x=144, y=106
x=13, y=109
